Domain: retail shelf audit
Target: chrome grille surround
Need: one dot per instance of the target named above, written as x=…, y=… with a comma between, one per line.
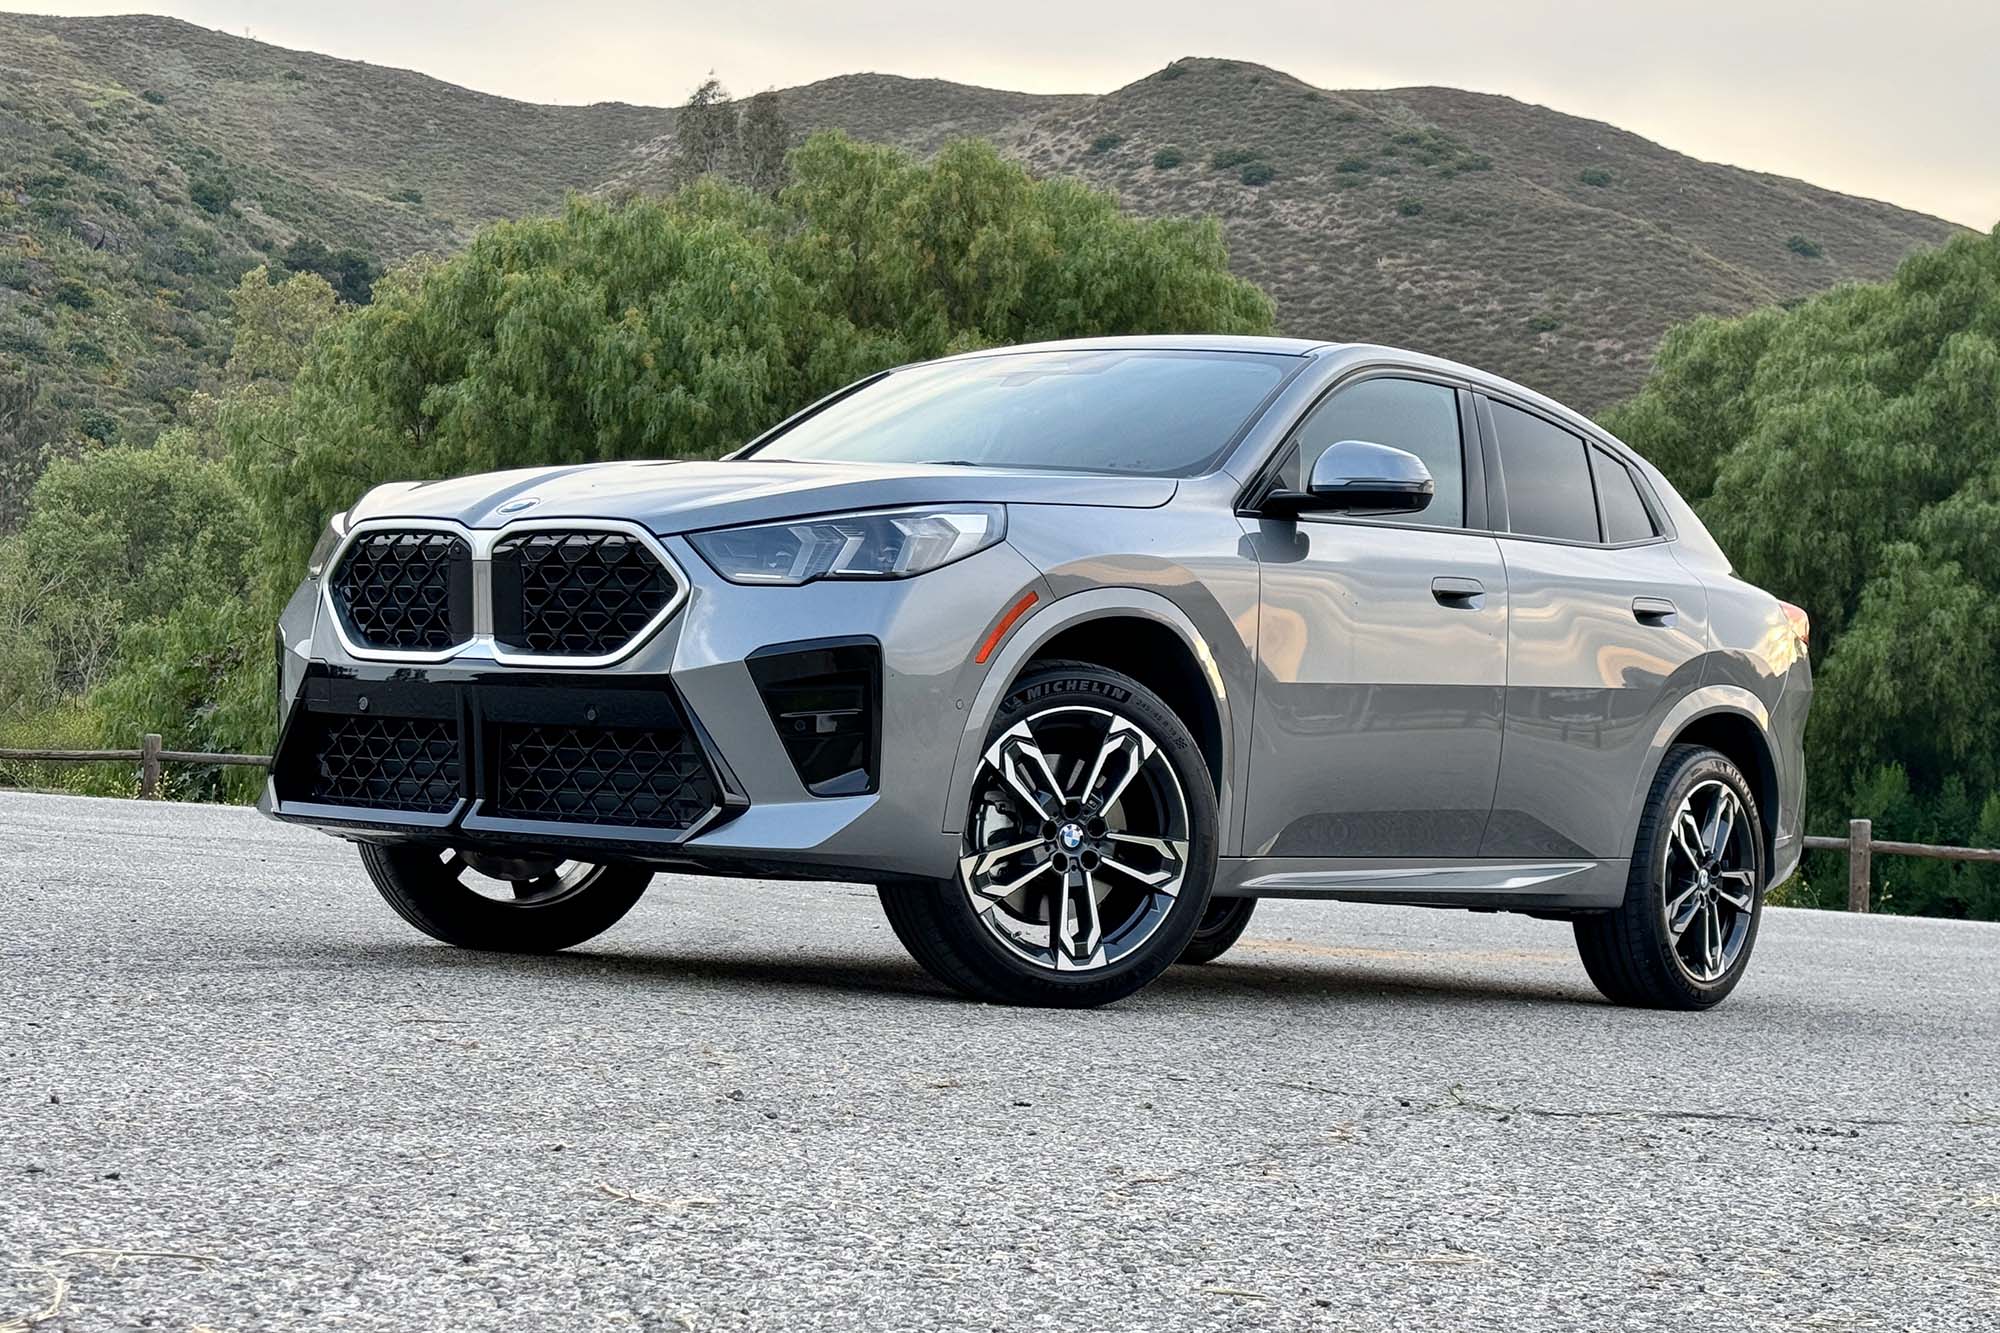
x=481, y=642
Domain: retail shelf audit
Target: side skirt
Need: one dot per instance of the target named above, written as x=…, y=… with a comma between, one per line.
x=1502, y=885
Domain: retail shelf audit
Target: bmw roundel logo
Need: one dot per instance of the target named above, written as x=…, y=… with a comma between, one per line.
x=516, y=506
x=1072, y=836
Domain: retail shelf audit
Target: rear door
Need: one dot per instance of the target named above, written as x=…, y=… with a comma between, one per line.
x=1382, y=646
x=1606, y=630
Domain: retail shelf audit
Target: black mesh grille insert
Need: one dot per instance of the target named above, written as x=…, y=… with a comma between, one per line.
x=388, y=763
x=404, y=590
x=602, y=775
x=575, y=594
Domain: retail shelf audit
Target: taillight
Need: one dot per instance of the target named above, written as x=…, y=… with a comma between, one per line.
x=1801, y=622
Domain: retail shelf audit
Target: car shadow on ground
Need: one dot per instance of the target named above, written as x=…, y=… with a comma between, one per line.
x=1293, y=983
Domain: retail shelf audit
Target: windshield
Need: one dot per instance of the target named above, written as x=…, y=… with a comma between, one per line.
x=1157, y=413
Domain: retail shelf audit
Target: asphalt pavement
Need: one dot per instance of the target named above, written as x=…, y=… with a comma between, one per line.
x=237, y=1093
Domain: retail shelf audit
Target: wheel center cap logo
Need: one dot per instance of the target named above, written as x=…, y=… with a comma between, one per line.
x=1071, y=836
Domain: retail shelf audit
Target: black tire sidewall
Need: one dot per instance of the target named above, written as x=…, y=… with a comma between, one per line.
x=1221, y=926
x=1646, y=891
x=413, y=881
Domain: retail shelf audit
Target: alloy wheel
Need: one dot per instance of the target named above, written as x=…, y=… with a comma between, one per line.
x=1078, y=841
x=1711, y=881
x=516, y=881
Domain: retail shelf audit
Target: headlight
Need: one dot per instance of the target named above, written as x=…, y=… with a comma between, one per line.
x=328, y=542
x=885, y=544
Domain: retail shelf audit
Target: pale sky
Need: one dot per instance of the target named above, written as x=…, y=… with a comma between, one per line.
x=1897, y=101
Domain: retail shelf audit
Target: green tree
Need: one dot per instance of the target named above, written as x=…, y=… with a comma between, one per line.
x=766, y=139
x=116, y=538
x=1846, y=453
x=705, y=133
x=679, y=327
x=275, y=322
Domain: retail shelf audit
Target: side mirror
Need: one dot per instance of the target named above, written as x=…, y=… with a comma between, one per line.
x=1355, y=475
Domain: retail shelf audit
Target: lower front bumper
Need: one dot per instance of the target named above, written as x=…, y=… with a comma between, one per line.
x=614, y=765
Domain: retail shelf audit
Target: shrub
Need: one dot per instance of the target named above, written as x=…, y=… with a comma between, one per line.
x=406, y=195
x=1104, y=143
x=1352, y=166
x=1257, y=173
x=14, y=272
x=212, y=194
x=155, y=97
x=1346, y=116
x=72, y=293
x=1597, y=176
x=1168, y=158
x=1314, y=95
x=1224, y=158
x=1799, y=245
x=1171, y=72
x=293, y=76
x=1409, y=208
x=1543, y=323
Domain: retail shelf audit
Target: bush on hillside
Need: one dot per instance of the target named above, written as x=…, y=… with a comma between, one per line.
x=1168, y=158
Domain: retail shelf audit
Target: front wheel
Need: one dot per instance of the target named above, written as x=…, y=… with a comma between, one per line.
x=1695, y=895
x=1089, y=849
x=505, y=904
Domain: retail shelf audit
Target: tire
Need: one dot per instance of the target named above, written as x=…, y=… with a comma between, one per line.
x=1120, y=876
x=427, y=887
x=1221, y=926
x=1684, y=934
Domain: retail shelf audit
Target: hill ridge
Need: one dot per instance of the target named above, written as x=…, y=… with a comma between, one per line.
x=145, y=162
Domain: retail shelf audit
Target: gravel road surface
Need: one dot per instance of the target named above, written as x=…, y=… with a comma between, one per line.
x=236, y=1093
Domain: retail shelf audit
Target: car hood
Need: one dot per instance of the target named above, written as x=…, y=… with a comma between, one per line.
x=671, y=497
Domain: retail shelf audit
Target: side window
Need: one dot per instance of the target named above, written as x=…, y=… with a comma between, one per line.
x=1403, y=414
x=1547, y=478
x=1625, y=516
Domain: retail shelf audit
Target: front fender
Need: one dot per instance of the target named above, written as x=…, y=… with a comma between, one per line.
x=1042, y=626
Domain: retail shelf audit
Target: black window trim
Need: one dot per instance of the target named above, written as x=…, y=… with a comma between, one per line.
x=1477, y=487
x=1496, y=486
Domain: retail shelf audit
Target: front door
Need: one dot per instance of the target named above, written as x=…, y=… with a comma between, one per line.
x=1382, y=649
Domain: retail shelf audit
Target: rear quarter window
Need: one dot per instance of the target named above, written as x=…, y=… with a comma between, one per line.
x=1626, y=518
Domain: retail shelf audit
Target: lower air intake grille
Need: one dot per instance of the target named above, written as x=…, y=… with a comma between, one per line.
x=575, y=594
x=387, y=763
x=602, y=775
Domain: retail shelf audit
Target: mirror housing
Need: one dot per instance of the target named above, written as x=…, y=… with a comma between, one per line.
x=1357, y=476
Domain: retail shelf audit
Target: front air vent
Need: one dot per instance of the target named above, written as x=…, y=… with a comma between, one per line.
x=825, y=699
x=405, y=591
x=576, y=594
x=652, y=778
x=385, y=763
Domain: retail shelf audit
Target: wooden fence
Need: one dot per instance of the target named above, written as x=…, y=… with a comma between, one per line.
x=1860, y=843
x=149, y=757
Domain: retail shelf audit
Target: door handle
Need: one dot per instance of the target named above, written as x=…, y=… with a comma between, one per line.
x=1655, y=611
x=1459, y=594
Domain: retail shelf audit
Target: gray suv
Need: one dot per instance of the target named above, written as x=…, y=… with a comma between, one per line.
x=1076, y=651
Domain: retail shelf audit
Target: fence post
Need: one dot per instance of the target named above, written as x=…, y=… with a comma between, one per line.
x=149, y=766
x=1860, y=854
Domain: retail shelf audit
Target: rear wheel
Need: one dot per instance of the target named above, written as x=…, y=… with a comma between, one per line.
x=1221, y=926
x=1695, y=896
x=1089, y=849
x=507, y=904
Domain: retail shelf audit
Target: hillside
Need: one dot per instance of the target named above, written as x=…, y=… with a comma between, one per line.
x=145, y=163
